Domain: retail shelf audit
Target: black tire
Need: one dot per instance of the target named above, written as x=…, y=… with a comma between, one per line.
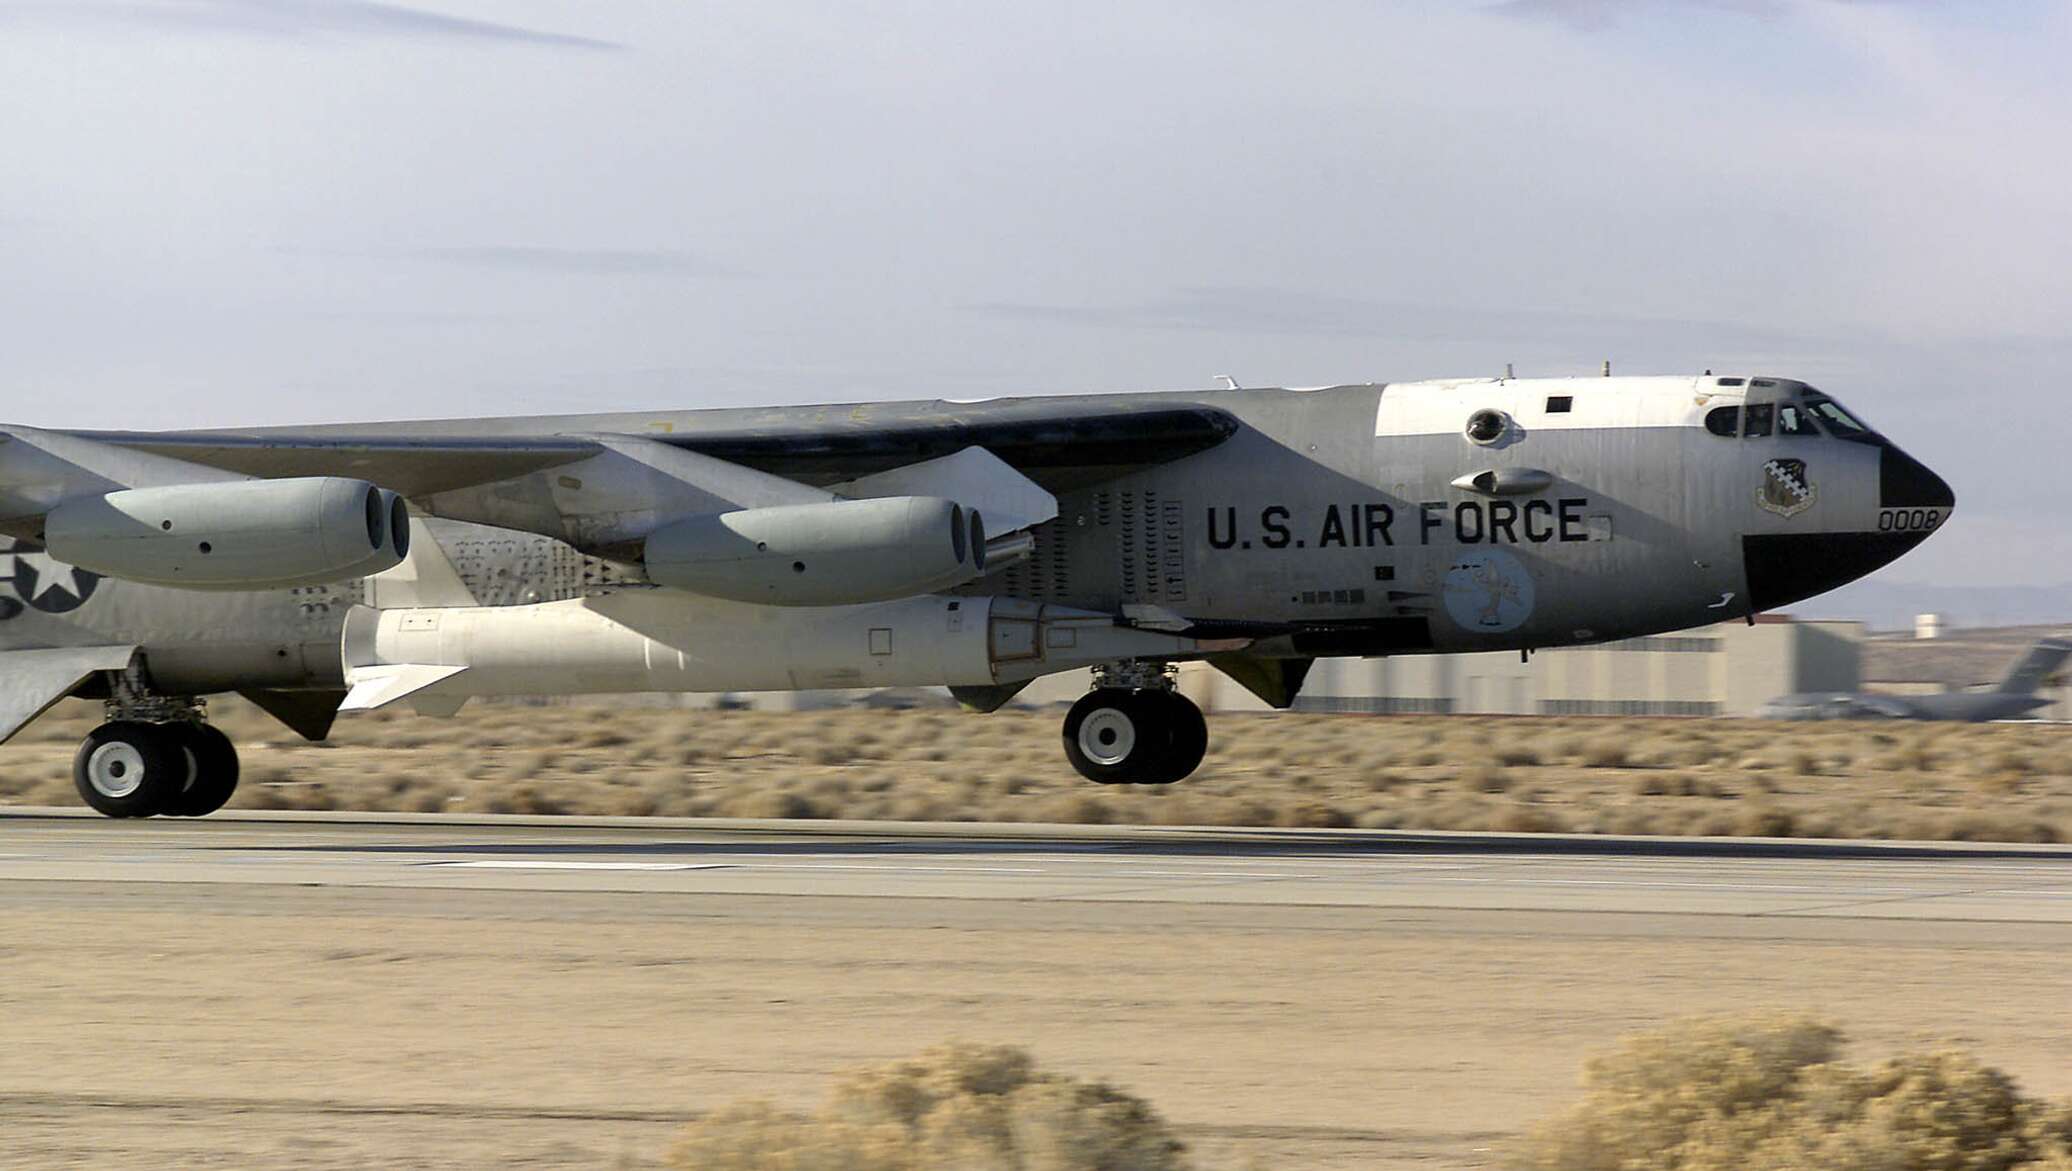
x=1187, y=739
x=214, y=777
x=1119, y=737
x=127, y=768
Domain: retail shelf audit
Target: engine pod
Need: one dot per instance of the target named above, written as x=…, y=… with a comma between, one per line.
x=235, y=534
x=834, y=553
x=395, y=547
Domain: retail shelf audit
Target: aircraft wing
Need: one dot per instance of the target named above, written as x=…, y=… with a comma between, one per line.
x=414, y=467
x=1056, y=443
x=36, y=679
x=602, y=483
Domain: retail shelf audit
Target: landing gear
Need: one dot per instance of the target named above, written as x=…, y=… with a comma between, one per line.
x=127, y=768
x=130, y=768
x=154, y=756
x=1135, y=736
x=212, y=776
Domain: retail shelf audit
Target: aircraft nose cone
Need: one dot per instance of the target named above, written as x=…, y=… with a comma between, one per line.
x=1787, y=567
x=1905, y=482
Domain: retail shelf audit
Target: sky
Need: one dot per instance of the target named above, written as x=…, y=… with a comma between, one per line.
x=242, y=212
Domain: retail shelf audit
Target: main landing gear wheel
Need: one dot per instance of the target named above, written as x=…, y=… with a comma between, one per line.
x=128, y=768
x=212, y=774
x=1189, y=735
x=1115, y=736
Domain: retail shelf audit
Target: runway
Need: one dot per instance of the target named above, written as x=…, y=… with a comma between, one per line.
x=347, y=990
x=1737, y=877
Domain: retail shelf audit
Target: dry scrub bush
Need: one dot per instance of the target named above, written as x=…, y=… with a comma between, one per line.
x=1484, y=780
x=1989, y=782
x=955, y=1108
x=1312, y=815
x=1768, y=1094
x=1606, y=754
x=1528, y=819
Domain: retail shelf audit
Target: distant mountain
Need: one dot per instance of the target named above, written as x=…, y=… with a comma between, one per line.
x=1893, y=605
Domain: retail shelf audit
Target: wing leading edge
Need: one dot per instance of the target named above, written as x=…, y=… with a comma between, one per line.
x=1055, y=445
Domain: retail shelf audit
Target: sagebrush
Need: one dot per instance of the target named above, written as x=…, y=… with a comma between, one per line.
x=953, y=1108
x=1772, y=1094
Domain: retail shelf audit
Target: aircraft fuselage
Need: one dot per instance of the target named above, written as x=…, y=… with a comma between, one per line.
x=1353, y=520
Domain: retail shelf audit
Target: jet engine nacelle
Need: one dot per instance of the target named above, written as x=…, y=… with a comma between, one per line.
x=834, y=553
x=234, y=534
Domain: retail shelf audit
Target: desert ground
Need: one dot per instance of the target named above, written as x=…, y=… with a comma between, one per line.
x=199, y=1025
x=1993, y=782
x=312, y=1026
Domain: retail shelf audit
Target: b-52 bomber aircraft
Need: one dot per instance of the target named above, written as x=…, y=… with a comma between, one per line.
x=973, y=545
x=2014, y=697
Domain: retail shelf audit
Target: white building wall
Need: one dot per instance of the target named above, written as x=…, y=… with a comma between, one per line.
x=1728, y=670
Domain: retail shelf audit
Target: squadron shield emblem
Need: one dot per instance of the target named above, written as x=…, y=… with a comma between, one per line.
x=1785, y=489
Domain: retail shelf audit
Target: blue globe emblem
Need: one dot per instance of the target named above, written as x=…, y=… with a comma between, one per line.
x=1488, y=590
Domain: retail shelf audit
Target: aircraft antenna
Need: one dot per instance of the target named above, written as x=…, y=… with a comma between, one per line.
x=1228, y=382
x=1607, y=367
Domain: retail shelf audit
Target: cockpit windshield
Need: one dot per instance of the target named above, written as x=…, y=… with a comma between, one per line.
x=1780, y=407
x=1840, y=423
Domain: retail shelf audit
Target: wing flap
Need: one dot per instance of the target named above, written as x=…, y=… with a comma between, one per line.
x=31, y=681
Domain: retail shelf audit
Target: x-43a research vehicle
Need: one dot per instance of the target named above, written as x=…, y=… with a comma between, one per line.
x=973, y=545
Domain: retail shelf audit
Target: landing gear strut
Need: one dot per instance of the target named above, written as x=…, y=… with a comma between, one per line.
x=1134, y=729
x=154, y=756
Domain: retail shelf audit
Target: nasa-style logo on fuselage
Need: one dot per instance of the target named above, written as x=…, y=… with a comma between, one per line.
x=1488, y=591
x=36, y=582
x=1785, y=489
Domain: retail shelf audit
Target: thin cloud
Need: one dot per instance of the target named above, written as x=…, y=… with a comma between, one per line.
x=579, y=261
x=285, y=18
x=1596, y=15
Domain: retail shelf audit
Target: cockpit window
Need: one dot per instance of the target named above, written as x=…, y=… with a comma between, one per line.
x=1791, y=420
x=1758, y=418
x=1838, y=420
x=1724, y=421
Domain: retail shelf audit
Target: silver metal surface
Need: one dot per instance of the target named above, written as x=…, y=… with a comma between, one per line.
x=1107, y=736
x=115, y=769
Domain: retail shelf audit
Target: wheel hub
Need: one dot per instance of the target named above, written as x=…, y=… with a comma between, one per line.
x=1107, y=736
x=115, y=769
